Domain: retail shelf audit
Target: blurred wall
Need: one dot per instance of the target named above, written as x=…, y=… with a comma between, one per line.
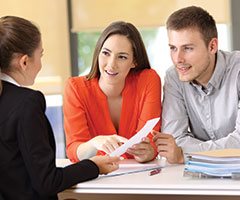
x=95, y=14
x=51, y=17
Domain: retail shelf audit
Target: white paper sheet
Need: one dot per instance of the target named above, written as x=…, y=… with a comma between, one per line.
x=136, y=138
x=130, y=166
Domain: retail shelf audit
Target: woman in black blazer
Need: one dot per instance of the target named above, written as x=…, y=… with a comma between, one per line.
x=27, y=146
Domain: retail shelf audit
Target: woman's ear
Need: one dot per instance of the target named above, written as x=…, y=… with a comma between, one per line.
x=23, y=62
x=134, y=64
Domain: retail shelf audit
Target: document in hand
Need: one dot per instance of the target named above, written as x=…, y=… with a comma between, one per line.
x=216, y=163
x=150, y=124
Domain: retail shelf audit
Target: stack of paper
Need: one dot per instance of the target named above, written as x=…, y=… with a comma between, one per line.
x=217, y=163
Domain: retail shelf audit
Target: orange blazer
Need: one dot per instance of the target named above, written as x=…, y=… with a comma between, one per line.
x=86, y=112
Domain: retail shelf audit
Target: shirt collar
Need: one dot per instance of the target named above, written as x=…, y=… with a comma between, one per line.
x=8, y=78
x=219, y=71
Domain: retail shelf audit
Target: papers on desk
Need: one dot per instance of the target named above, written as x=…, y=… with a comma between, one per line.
x=136, y=138
x=130, y=166
x=217, y=163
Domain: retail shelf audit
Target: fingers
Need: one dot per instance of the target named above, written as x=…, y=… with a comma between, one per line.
x=145, y=140
x=106, y=164
x=136, y=152
x=165, y=144
x=153, y=132
x=108, y=143
x=140, y=148
x=167, y=147
x=113, y=159
x=112, y=164
x=143, y=151
x=121, y=139
x=112, y=168
x=158, y=135
x=112, y=143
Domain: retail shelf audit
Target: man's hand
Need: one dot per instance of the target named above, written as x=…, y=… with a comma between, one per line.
x=143, y=151
x=168, y=148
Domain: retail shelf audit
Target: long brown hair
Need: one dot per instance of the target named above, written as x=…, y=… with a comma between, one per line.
x=131, y=32
x=17, y=35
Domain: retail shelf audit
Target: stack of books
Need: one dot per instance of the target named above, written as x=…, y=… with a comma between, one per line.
x=213, y=164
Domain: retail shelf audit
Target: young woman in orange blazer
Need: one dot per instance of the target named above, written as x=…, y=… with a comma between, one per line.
x=109, y=105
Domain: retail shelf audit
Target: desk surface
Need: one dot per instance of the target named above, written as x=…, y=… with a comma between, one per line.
x=169, y=181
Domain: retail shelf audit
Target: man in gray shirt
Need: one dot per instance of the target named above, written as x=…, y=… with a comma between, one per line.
x=201, y=109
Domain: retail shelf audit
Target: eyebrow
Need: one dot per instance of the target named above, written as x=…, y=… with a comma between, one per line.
x=190, y=44
x=122, y=53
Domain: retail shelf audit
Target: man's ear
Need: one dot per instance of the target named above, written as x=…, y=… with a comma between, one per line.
x=23, y=62
x=213, y=45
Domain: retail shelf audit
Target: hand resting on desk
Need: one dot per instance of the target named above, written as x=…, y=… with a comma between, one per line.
x=106, y=164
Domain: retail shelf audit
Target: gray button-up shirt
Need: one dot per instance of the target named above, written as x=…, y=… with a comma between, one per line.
x=202, y=119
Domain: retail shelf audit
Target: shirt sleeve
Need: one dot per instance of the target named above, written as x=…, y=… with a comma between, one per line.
x=232, y=140
x=175, y=121
x=151, y=106
x=152, y=102
x=37, y=146
x=174, y=114
x=75, y=121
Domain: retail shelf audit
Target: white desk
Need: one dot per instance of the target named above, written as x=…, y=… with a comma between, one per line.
x=169, y=184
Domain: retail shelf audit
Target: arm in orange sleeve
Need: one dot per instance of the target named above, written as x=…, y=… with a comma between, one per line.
x=75, y=122
x=152, y=103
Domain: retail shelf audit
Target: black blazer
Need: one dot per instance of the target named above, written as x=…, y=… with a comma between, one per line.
x=27, y=149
